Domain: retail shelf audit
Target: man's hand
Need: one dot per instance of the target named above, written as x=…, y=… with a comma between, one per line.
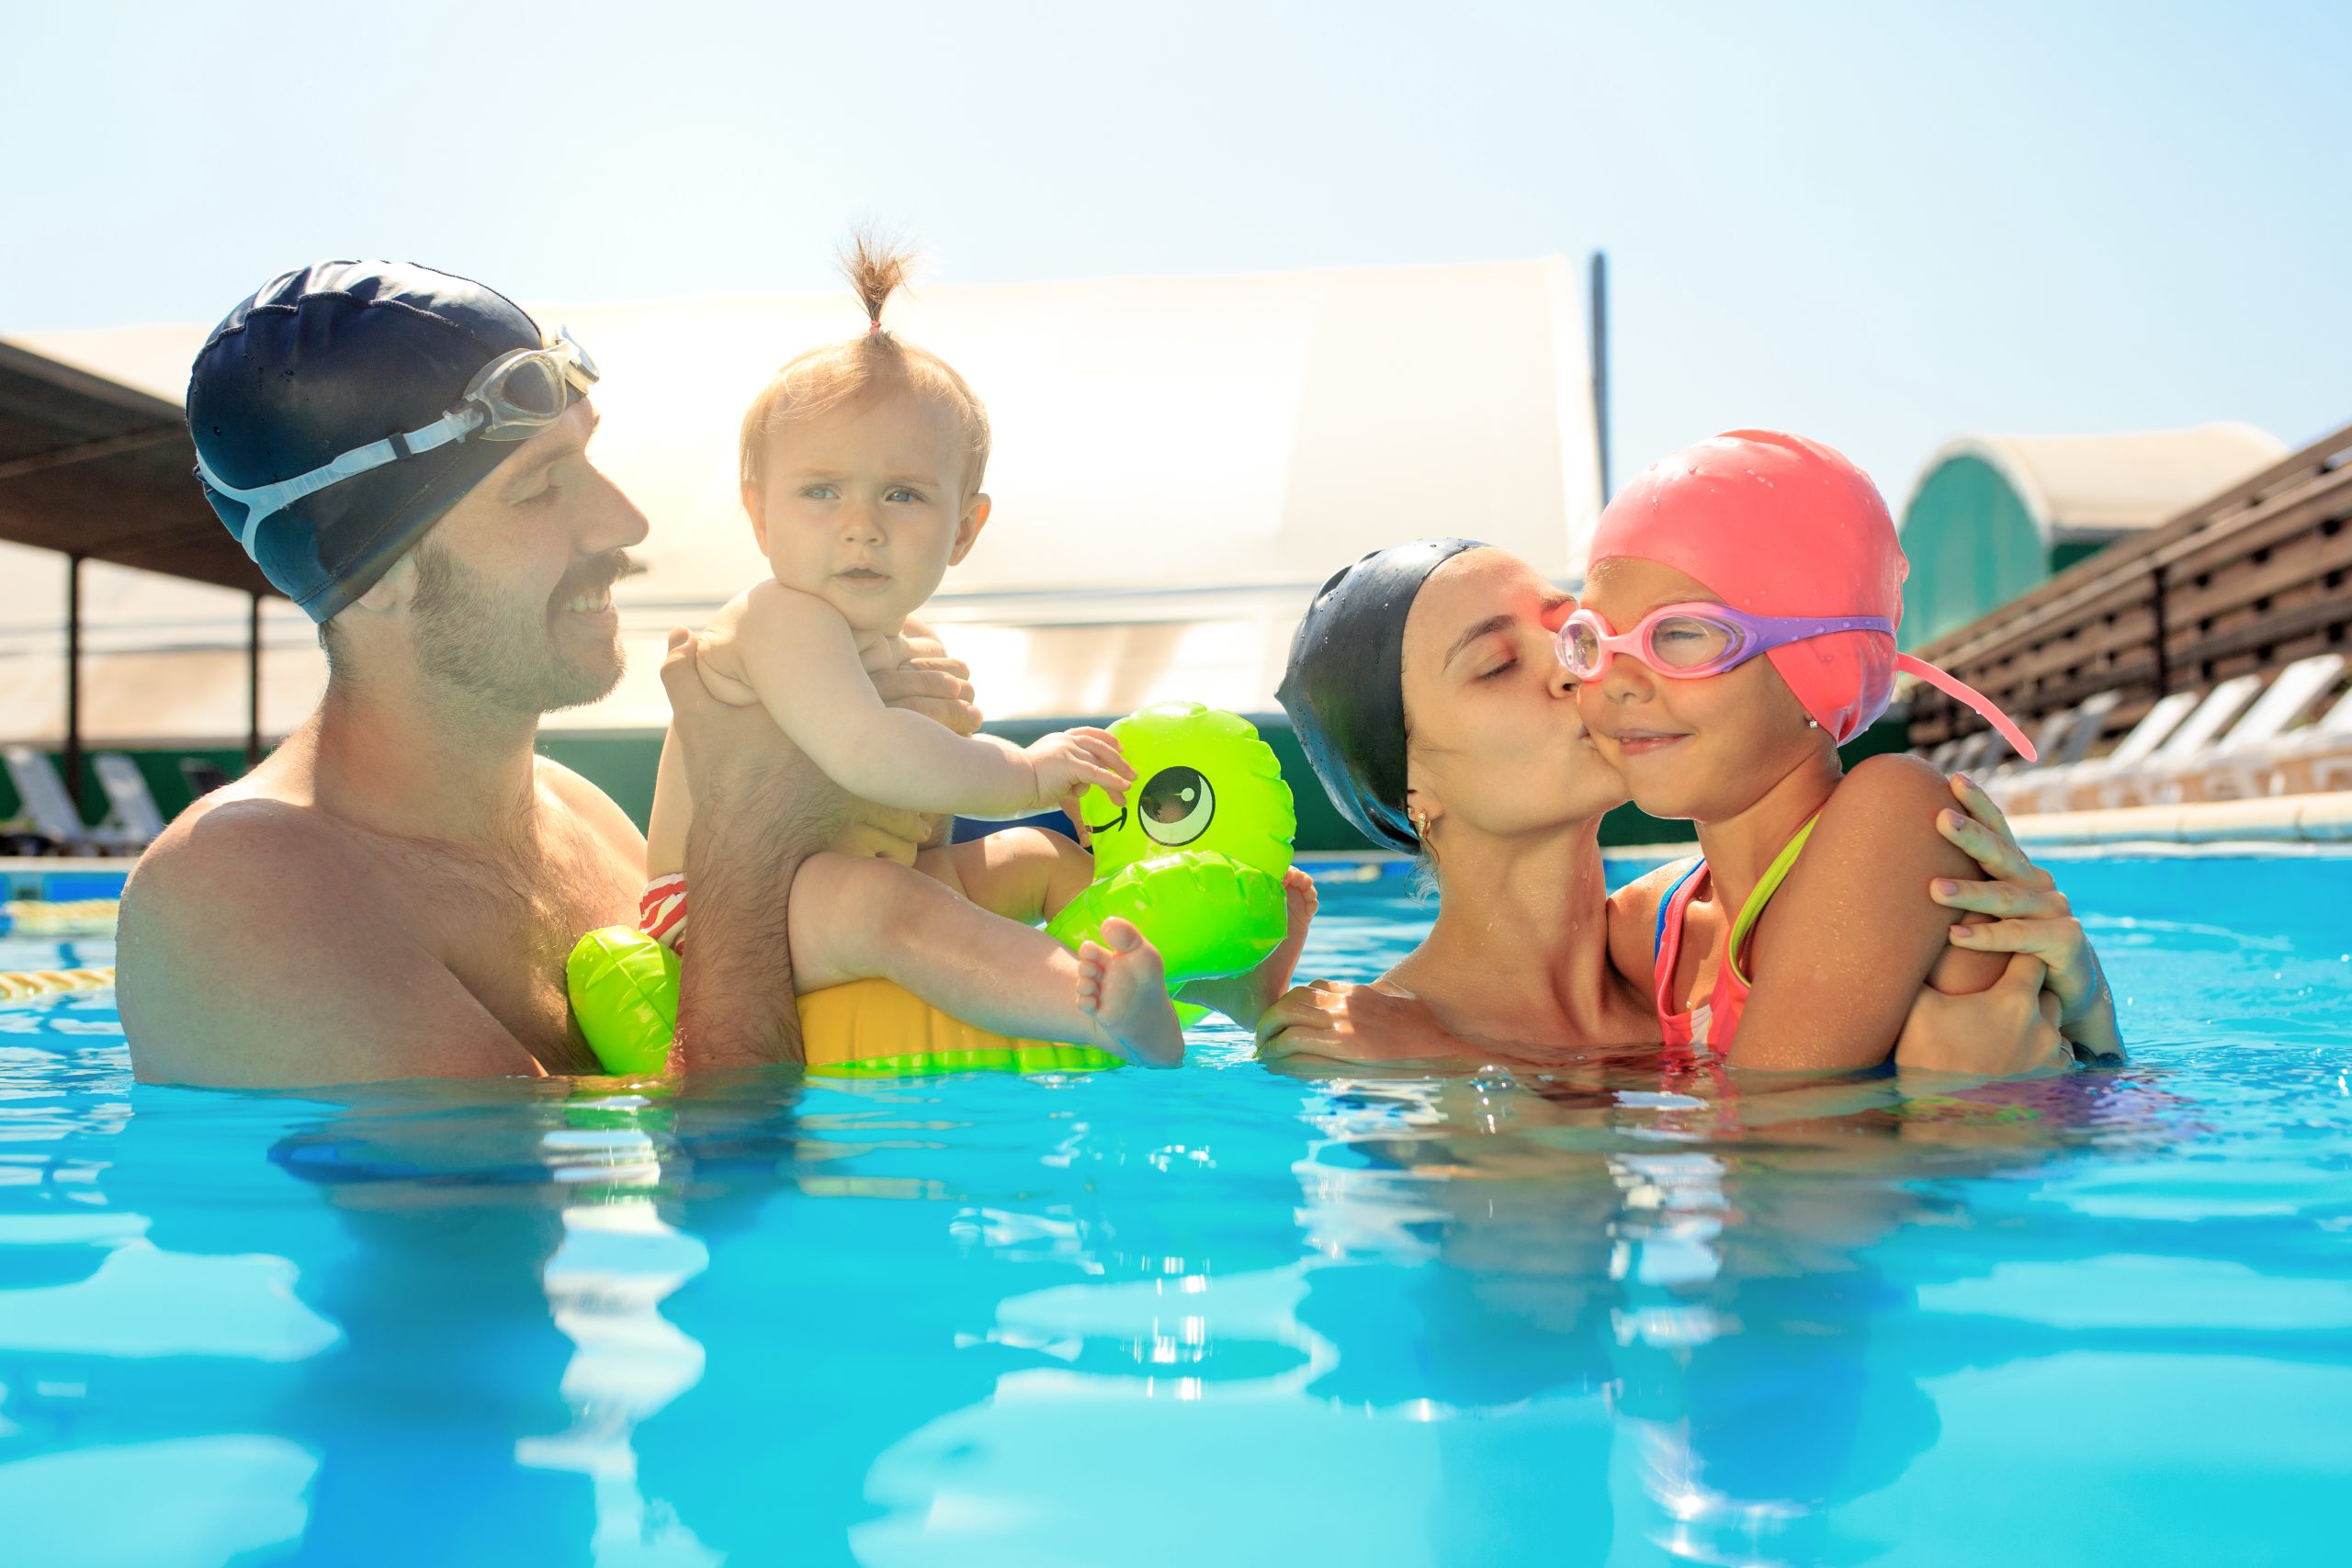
x=913, y=672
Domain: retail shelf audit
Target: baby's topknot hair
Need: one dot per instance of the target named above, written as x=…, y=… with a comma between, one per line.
x=876, y=360
x=877, y=270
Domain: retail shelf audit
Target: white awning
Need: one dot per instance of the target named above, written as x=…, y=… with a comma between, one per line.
x=1179, y=463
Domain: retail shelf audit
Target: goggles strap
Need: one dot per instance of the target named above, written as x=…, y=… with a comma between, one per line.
x=265, y=501
x=1954, y=687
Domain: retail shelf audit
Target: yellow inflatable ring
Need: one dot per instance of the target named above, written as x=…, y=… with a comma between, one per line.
x=872, y=1029
x=624, y=990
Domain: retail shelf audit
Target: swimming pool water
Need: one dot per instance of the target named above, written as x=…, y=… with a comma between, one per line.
x=1219, y=1316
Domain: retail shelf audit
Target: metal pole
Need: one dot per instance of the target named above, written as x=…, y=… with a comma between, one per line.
x=73, y=680
x=1599, y=332
x=253, y=685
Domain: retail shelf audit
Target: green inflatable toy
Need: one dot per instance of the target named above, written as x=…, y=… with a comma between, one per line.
x=1195, y=859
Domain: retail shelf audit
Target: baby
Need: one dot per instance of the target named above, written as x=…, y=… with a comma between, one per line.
x=860, y=470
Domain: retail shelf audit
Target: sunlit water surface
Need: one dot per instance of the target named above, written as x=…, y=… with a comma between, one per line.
x=1219, y=1316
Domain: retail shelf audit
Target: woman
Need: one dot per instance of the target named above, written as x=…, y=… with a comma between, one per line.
x=1426, y=692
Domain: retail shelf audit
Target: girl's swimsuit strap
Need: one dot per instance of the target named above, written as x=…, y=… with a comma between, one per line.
x=1753, y=910
x=1666, y=904
x=1675, y=1027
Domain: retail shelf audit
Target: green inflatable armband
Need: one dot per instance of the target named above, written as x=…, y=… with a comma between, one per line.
x=624, y=990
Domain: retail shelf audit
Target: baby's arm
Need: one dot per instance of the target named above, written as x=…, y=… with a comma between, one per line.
x=1847, y=944
x=800, y=658
x=857, y=919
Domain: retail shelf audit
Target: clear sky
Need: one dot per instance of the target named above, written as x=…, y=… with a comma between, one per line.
x=1880, y=225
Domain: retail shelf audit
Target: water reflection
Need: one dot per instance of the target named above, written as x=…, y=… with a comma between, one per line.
x=1118, y=1319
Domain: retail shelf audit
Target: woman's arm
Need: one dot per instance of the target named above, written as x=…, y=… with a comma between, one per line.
x=2030, y=916
x=1853, y=935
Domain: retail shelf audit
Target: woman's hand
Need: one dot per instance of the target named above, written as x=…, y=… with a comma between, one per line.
x=2010, y=1031
x=2029, y=916
x=1355, y=1023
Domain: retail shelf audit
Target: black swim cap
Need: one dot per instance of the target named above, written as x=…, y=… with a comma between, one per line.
x=1345, y=687
x=329, y=359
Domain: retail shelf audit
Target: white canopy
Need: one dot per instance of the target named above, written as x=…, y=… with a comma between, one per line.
x=1180, y=461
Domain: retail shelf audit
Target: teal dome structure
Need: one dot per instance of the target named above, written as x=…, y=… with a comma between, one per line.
x=1992, y=516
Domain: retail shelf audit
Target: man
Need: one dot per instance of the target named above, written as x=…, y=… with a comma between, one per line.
x=392, y=892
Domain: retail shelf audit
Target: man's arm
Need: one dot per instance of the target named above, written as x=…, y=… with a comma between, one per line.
x=760, y=808
x=245, y=960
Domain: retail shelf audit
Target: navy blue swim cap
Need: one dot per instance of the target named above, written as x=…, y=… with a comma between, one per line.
x=329, y=359
x=1345, y=688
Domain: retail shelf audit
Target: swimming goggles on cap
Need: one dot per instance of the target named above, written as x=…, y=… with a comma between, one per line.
x=513, y=398
x=1684, y=642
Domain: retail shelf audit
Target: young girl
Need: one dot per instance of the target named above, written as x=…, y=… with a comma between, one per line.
x=860, y=470
x=1813, y=885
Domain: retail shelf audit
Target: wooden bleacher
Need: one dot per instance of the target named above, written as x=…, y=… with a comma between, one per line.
x=2243, y=582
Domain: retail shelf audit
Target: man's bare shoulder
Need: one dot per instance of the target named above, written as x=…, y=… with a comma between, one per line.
x=235, y=839
x=591, y=806
x=262, y=942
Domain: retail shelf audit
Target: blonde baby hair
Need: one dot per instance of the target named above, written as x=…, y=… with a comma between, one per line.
x=876, y=361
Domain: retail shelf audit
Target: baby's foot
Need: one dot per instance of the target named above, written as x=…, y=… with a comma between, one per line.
x=1272, y=977
x=1247, y=997
x=1123, y=989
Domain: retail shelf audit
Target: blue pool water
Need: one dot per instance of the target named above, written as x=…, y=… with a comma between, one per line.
x=1215, y=1317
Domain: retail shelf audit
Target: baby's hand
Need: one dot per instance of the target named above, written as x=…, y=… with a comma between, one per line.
x=1066, y=762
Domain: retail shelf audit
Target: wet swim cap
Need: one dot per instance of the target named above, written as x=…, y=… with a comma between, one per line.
x=1345, y=687
x=1775, y=524
x=329, y=359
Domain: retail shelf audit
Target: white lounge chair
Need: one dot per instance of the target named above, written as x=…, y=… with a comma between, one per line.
x=2231, y=769
x=2308, y=761
x=2127, y=786
x=2052, y=788
x=2063, y=740
x=47, y=806
x=134, y=820
x=1978, y=752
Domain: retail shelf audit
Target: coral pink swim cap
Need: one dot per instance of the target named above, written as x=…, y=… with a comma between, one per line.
x=1775, y=524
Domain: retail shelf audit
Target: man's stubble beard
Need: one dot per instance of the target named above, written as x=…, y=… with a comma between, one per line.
x=501, y=652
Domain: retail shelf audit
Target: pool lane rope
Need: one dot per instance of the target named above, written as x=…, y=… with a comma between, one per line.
x=16, y=984
x=71, y=917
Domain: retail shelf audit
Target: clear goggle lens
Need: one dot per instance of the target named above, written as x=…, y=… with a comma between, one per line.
x=1679, y=643
x=1691, y=642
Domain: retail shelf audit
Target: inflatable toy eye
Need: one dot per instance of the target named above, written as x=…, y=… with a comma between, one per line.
x=1176, y=805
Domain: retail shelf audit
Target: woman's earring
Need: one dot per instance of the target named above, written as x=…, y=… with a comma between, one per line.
x=1420, y=822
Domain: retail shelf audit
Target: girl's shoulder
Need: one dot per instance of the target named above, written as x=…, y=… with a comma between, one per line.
x=1891, y=796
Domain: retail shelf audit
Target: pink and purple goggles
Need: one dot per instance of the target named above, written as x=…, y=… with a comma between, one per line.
x=1684, y=642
